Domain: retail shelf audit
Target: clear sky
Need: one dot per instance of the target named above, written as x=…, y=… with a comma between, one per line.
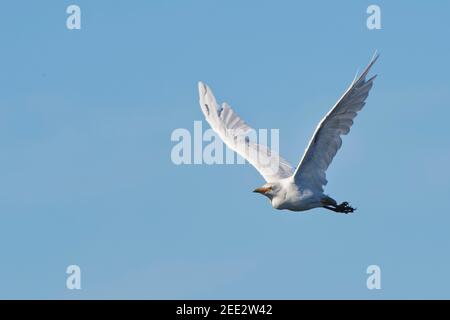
x=87, y=179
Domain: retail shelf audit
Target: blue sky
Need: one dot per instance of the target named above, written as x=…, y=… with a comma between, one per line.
x=86, y=176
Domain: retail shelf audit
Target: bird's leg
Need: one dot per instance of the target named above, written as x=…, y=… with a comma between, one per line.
x=344, y=207
x=330, y=208
x=341, y=208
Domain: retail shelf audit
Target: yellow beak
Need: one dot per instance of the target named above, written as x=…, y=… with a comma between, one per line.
x=261, y=190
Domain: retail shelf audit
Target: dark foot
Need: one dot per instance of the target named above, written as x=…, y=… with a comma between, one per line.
x=344, y=207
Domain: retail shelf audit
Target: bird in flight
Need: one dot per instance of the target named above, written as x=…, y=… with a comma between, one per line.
x=300, y=189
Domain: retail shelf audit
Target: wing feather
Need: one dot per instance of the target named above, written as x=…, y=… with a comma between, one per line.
x=326, y=140
x=236, y=133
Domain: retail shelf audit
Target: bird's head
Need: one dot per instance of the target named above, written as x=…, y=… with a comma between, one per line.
x=269, y=190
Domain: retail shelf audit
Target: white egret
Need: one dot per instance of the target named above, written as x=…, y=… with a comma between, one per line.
x=300, y=189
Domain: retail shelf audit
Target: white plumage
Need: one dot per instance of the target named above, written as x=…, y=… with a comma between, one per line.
x=300, y=189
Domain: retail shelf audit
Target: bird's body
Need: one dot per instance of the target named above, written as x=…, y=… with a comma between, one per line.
x=300, y=189
x=289, y=196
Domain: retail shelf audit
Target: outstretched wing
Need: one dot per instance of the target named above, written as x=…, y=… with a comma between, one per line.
x=326, y=139
x=239, y=137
